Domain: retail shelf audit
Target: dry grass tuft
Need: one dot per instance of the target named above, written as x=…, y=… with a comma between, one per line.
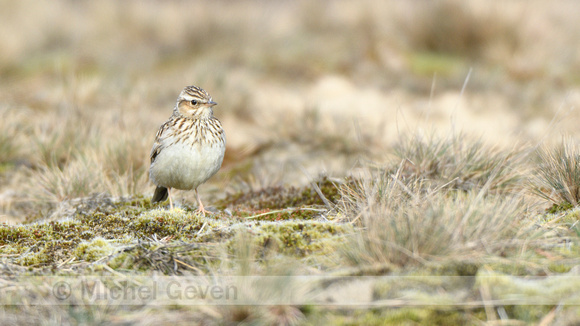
x=54, y=184
x=456, y=162
x=405, y=222
x=11, y=126
x=557, y=176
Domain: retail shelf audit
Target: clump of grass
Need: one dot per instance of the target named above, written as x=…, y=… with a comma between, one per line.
x=59, y=141
x=404, y=222
x=117, y=169
x=54, y=184
x=452, y=161
x=8, y=148
x=11, y=128
x=557, y=175
x=127, y=164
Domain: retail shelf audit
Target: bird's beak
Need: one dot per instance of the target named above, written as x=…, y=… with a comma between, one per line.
x=211, y=103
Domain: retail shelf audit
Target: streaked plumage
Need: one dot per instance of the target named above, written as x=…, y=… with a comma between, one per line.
x=189, y=148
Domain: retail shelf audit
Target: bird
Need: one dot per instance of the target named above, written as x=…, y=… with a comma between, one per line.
x=189, y=147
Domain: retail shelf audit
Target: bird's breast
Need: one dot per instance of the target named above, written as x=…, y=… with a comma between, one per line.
x=186, y=165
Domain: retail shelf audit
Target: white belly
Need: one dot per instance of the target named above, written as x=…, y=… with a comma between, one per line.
x=185, y=167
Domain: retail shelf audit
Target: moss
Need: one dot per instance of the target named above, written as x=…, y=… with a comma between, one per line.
x=40, y=243
x=560, y=207
x=282, y=197
x=87, y=234
x=559, y=268
x=299, y=238
x=177, y=223
x=547, y=291
x=54, y=242
x=454, y=268
x=402, y=316
x=446, y=317
x=167, y=258
x=94, y=250
x=276, y=215
x=571, y=216
x=526, y=313
x=513, y=268
x=33, y=258
x=424, y=288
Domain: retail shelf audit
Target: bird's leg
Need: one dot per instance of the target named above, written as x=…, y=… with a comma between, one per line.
x=169, y=195
x=200, y=208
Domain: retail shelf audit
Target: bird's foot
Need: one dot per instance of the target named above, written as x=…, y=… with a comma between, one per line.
x=202, y=211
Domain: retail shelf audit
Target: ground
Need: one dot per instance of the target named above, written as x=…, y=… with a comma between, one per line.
x=419, y=159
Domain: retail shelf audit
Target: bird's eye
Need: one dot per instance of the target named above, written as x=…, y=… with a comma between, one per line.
x=193, y=102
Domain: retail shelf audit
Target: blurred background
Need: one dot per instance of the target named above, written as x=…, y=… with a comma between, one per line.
x=302, y=87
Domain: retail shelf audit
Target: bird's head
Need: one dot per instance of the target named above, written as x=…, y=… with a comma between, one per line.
x=194, y=102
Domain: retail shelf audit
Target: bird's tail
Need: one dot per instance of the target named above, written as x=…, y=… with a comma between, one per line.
x=159, y=195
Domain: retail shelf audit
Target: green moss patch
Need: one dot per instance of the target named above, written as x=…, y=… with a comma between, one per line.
x=93, y=250
x=407, y=316
x=168, y=258
x=94, y=230
x=299, y=238
x=561, y=207
x=277, y=214
x=132, y=234
x=282, y=197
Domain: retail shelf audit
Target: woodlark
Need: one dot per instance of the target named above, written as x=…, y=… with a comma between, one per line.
x=189, y=148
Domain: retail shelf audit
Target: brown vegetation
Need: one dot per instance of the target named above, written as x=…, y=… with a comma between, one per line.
x=363, y=138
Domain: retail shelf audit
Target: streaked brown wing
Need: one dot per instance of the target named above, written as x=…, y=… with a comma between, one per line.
x=158, y=143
